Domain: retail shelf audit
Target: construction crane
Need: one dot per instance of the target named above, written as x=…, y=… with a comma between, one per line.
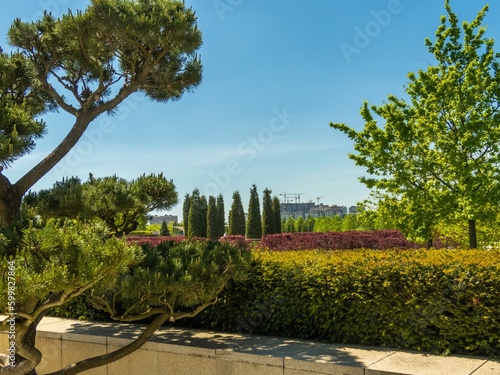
x=287, y=197
x=318, y=198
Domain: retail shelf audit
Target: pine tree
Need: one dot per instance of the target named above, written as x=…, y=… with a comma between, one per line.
x=277, y=213
x=254, y=223
x=185, y=213
x=268, y=219
x=237, y=216
x=212, y=222
x=220, y=216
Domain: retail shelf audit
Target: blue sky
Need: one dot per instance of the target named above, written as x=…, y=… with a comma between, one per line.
x=275, y=74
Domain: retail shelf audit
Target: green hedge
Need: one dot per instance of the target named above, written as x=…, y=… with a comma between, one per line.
x=445, y=301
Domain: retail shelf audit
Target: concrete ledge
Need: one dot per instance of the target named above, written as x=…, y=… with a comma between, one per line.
x=173, y=351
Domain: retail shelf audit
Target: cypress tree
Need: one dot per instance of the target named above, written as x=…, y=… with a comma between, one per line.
x=237, y=216
x=277, y=213
x=204, y=211
x=268, y=220
x=197, y=219
x=254, y=222
x=220, y=216
x=185, y=213
x=164, y=229
x=212, y=222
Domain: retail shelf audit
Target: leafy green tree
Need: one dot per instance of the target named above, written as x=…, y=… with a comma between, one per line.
x=221, y=214
x=350, y=222
x=86, y=74
x=237, y=216
x=268, y=218
x=277, y=214
x=300, y=224
x=212, y=222
x=328, y=224
x=164, y=229
x=310, y=223
x=185, y=213
x=254, y=222
x=438, y=155
x=290, y=225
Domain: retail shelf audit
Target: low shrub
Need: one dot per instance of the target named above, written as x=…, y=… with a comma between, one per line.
x=432, y=300
x=155, y=240
x=380, y=239
x=188, y=267
x=237, y=240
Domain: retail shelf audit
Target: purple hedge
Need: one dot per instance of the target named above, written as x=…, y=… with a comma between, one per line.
x=380, y=239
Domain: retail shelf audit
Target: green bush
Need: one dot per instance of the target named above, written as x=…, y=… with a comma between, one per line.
x=432, y=300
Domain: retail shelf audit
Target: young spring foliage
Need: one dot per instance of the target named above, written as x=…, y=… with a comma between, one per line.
x=438, y=152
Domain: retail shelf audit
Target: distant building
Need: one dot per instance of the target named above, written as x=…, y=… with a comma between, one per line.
x=156, y=219
x=304, y=210
x=353, y=210
x=295, y=209
x=325, y=210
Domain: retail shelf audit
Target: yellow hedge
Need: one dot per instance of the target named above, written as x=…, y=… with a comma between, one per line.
x=432, y=300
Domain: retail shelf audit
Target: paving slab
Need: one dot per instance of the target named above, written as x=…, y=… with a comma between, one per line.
x=293, y=356
x=489, y=368
x=412, y=363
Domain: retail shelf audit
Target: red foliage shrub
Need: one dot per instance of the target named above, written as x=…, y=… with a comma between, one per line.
x=239, y=241
x=381, y=239
x=154, y=240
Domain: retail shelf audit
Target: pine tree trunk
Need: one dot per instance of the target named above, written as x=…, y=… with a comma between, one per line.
x=10, y=202
x=472, y=234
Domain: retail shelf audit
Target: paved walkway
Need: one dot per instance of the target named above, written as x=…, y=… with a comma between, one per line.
x=305, y=357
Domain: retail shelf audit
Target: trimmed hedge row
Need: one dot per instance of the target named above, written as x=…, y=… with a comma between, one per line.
x=432, y=300
x=379, y=239
x=239, y=241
